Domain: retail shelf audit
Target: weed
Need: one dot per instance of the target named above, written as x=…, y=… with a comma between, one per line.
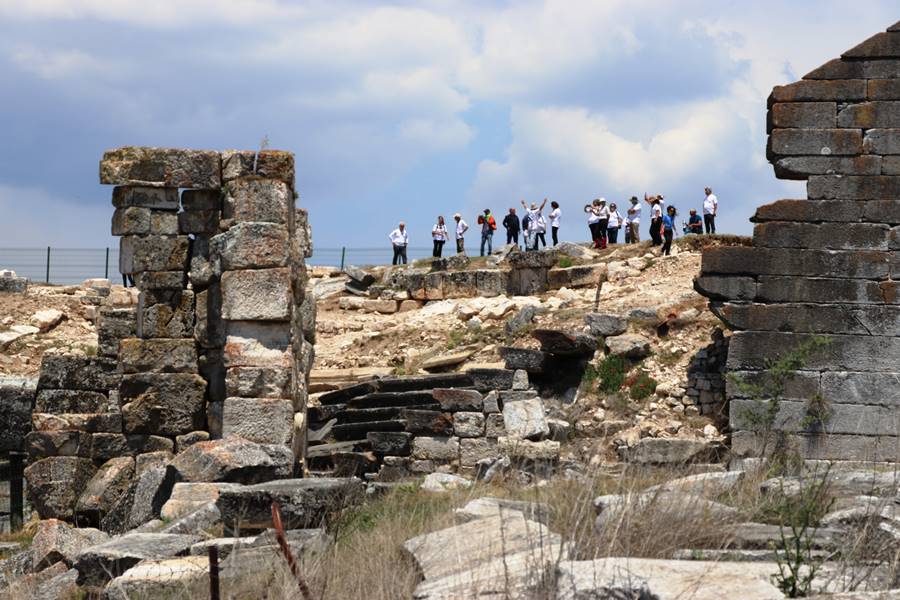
x=455, y=338
x=642, y=387
x=818, y=413
x=611, y=371
x=565, y=262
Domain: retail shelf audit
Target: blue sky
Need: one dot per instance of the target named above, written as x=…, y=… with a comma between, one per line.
x=411, y=109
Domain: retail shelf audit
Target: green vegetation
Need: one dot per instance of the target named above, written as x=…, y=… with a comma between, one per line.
x=565, y=262
x=611, y=372
x=642, y=387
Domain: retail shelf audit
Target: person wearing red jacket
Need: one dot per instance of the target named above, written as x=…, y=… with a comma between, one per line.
x=488, y=227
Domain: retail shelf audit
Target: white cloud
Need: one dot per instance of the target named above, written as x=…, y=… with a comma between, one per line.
x=65, y=64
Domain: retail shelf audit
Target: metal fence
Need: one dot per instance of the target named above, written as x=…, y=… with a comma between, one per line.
x=73, y=265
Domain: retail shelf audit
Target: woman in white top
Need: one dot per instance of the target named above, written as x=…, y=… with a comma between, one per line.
x=656, y=212
x=633, y=220
x=535, y=223
x=439, y=235
x=554, y=221
x=593, y=212
x=615, y=223
x=603, y=213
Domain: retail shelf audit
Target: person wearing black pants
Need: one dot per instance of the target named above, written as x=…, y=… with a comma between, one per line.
x=656, y=217
x=399, y=240
x=511, y=224
x=439, y=237
x=668, y=225
x=710, y=209
x=554, y=221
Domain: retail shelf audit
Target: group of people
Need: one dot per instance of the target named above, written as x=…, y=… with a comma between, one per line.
x=604, y=221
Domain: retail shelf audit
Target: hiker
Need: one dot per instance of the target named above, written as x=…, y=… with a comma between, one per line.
x=461, y=228
x=488, y=226
x=540, y=233
x=554, y=221
x=526, y=231
x=511, y=223
x=534, y=222
x=668, y=224
x=400, y=240
x=439, y=236
x=614, y=224
x=593, y=212
x=633, y=221
x=656, y=214
x=710, y=208
x=694, y=224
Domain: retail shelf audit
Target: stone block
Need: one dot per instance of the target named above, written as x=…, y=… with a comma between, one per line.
x=257, y=295
x=815, y=142
x=434, y=286
x=564, y=343
x=856, y=69
x=237, y=163
x=810, y=211
x=131, y=220
x=259, y=200
x=883, y=89
x=170, y=167
x=201, y=200
x=486, y=380
x=275, y=164
x=832, y=236
x=157, y=198
x=891, y=165
x=254, y=344
x=303, y=234
x=869, y=115
x=165, y=314
x=525, y=419
x=250, y=245
x=813, y=115
x=159, y=280
x=113, y=325
x=55, y=483
x=444, y=449
x=70, y=372
x=261, y=420
x=726, y=288
x=519, y=449
x=494, y=425
x=837, y=447
x=202, y=270
x=491, y=402
x=56, y=541
x=166, y=404
x=801, y=167
x=468, y=424
x=204, y=222
x=473, y=450
x=105, y=488
x=233, y=460
x=634, y=347
x=806, y=289
x=811, y=318
x=186, y=440
x=70, y=401
x=209, y=328
x=395, y=443
x=882, y=141
x=429, y=422
x=851, y=187
x=108, y=422
x=881, y=45
x=100, y=563
x=10, y=284
x=151, y=460
x=605, y=324
x=842, y=353
x=728, y=260
x=818, y=91
x=153, y=253
x=453, y=399
x=158, y=356
x=17, y=395
x=794, y=417
x=490, y=283
x=860, y=388
x=653, y=451
x=41, y=444
x=532, y=361
x=258, y=382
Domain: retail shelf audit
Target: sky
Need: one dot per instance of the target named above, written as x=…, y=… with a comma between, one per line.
x=407, y=110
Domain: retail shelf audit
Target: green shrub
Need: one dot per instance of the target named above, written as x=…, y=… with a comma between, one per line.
x=642, y=386
x=566, y=261
x=611, y=372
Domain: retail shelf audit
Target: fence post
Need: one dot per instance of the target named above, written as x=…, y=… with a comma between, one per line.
x=343, y=254
x=48, y=265
x=106, y=270
x=16, y=495
x=213, y=573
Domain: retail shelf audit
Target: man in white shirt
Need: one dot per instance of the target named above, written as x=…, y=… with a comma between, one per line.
x=633, y=220
x=400, y=240
x=461, y=228
x=710, y=208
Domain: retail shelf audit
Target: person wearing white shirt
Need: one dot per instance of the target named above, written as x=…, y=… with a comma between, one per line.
x=656, y=212
x=593, y=213
x=400, y=240
x=461, y=228
x=603, y=212
x=614, y=224
x=536, y=224
x=633, y=220
x=439, y=236
x=554, y=221
x=710, y=208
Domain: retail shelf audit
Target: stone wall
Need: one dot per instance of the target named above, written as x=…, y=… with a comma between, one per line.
x=219, y=345
x=825, y=265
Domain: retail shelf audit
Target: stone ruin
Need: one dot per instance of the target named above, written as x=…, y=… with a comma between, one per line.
x=219, y=345
x=823, y=266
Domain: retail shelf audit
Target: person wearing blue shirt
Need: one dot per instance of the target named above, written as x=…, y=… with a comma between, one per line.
x=695, y=224
x=668, y=221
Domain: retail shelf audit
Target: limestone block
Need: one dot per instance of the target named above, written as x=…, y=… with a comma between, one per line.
x=882, y=141
x=521, y=449
x=105, y=488
x=726, y=288
x=532, y=361
x=486, y=380
x=250, y=245
x=131, y=220
x=814, y=115
x=233, y=460
x=303, y=234
x=891, y=165
x=157, y=356
x=869, y=115
x=811, y=263
x=473, y=450
x=816, y=142
x=260, y=200
x=114, y=324
x=577, y=276
x=436, y=448
x=110, y=422
x=491, y=402
x=159, y=280
x=833, y=236
x=151, y=460
x=55, y=483
x=563, y=343
x=453, y=399
x=201, y=200
x=70, y=401
x=856, y=69
x=202, y=270
x=261, y=420
x=669, y=451
x=237, y=163
x=850, y=187
x=489, y=283
x=153, y=253
x=429, y=422
x=605, y=324
x=817, y=91
x=468, y=424
x=198, y=222
x=306, y=315
x=100, y=563
x=815, y=446
x=395, y=443
x=167, y=404
x=16, y=398
x=257, y=295
x=254, y=344
x=209, y=330
x=105, y=446
x=258, y=382
x=434, y=286
x=800, y=167
x=525, y=419
x=56, y=541
x=40, y=444
x=802, y=289
x=157, y=198
x=275, y=164
x=842, y=353
x=171, y=167
x=494, y=425
x=70, y=372
x=165, y=314
x=186, y=440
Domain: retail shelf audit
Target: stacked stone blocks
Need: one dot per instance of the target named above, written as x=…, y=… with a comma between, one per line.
x=825, y=265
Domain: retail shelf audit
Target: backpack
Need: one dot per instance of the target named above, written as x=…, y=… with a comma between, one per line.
x=492, y=222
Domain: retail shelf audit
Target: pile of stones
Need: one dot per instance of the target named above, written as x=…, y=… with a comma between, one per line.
x=10, y=282
x=706, y=378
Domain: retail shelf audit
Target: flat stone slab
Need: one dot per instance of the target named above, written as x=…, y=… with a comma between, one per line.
x=233, y=460
x=170, y=167
x=102, y=562
x=563, y=343
x=666, y=579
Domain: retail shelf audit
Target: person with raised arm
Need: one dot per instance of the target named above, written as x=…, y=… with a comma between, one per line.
x=534, y=221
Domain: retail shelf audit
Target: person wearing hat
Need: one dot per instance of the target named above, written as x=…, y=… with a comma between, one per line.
x=400, y=240
x=593, y=213
x=710, y=209
x=614, y=224
x=511, y=223
x=656, y=218
x=461, y=228
x=633, y=221
x=695, y=225
x=488, y=226
x=535, y=221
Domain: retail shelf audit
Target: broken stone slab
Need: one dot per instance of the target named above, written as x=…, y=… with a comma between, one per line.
x=760, y=536
x=105, y=488
x=45, y=320
x=11, y=284
x=634, y=347
x=167, y=404
x=105, y=446
x=200, y=522
x=519, y=449
x=443, y=482
x=490, y=557
x=257, y=344
x=305, y=503
x=186, y=576
x=705, y=485
x=532, y=361
x=445, y=361
x=189, y=497
x=186, y=440
x=35, y=585
x=169, y=167
x=55, y=583
x=488, y=506
x=233, y=460
x=426, y=382
x=260, y=420
x=605, y=324
x=39, y=444
x=55, y=483
x=666, y=579
x=258, y=382
x=660, y=451
x=56, y=540
x=525, y=419
x=615, y=510
x=151, y=490
x=562, y=343
x=100, y=563
x=444, y=449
